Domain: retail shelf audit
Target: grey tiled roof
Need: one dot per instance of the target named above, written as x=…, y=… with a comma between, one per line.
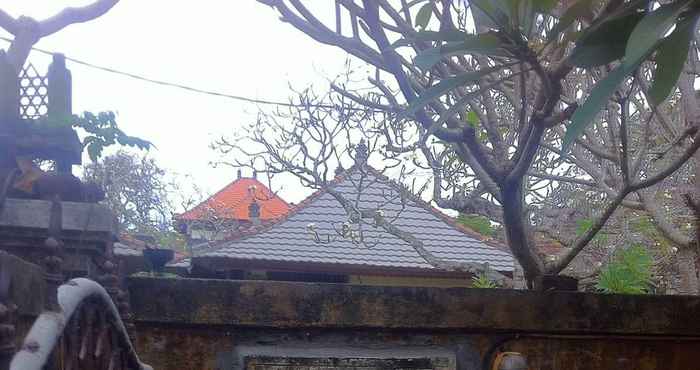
x=290, y=240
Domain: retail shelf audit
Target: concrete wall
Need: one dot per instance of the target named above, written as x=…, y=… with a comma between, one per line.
x=215, y=324
x=408, y=281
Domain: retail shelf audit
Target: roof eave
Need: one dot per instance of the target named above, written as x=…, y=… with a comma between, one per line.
x=219, y=263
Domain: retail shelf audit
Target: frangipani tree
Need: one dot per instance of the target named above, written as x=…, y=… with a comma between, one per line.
x=486, y=91
x=28, y=31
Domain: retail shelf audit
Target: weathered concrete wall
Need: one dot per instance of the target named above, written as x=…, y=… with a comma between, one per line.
x=203, y=324
x=408, y=281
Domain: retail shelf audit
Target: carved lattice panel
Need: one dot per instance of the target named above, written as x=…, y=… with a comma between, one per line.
x=331, y=363
x=33, y=93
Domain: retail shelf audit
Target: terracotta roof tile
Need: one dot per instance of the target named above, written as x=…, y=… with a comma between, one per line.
x=232, y=202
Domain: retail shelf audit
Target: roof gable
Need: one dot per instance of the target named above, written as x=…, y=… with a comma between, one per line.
x=290, y=239
x=233, y=200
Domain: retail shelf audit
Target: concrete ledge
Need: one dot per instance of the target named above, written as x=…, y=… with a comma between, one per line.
x=78, y=217
x=297, y=305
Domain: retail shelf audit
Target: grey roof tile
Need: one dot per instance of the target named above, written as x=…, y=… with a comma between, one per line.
x=290, y=240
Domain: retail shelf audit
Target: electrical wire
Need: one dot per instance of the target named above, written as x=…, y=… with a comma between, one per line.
x=183, y=87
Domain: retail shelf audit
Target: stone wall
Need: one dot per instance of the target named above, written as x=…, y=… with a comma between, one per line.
x=219, y=324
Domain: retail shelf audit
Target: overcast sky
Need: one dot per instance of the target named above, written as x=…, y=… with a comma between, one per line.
x=235, y=47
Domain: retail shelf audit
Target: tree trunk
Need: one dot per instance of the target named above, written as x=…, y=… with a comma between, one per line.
x=518, y=233
x=689, y=283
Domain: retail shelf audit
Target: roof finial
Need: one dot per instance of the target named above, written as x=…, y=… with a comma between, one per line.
x=361, y=152
x=240, y=173
x=255, y=174
x=254, y=212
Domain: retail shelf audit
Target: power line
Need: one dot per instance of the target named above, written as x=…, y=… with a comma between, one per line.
x=180, y=86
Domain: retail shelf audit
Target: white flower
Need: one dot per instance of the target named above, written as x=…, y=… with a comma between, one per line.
x=674, y=249
x=311, y=226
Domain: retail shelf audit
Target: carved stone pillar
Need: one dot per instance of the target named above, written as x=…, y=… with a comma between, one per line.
x=111, y=282
x=53, y=262
x=7, y=334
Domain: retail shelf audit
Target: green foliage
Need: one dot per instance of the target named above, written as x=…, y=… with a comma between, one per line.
x=424, y=15
x=670, y=59
x=472, y=119
x=574, y=12
x=486, y=44
x=600, y=45
x=446, y=85
x=599, y=97
x=644, y=225
x=642, y=32
x=629, y=273
x=480, y=224
x=482, y=282
x=544, y=6
x=585, y=224
x=650, y=30
x=101, y=131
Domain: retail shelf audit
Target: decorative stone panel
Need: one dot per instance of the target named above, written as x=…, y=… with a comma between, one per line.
x=293, y=358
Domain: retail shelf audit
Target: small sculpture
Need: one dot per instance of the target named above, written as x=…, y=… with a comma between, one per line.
x=29, y=181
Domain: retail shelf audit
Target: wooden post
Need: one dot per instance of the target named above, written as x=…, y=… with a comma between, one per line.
x=60, y=93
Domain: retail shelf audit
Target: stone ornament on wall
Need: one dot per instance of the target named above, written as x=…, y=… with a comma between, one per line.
x=314, y=357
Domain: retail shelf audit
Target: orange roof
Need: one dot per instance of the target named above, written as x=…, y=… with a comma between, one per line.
x=232, y=202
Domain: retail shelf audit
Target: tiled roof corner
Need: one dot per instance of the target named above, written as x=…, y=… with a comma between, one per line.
x=287, y=238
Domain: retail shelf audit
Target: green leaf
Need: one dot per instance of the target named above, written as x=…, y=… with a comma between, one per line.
x=472, y=119
x=450, y=35
x=544, y=6
x=94, y=150
x=670, y=58
x=583, y=225
x=480, y=281
x=424, y=15
x=444, y=86
x=484, y=43
x=427, y=58
x=629, y=273
x=650, y=30
x=597, y=99
x=601, y=45
x=488, y=15
x=526, y=15
x=579, y=9
x=480, y=224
